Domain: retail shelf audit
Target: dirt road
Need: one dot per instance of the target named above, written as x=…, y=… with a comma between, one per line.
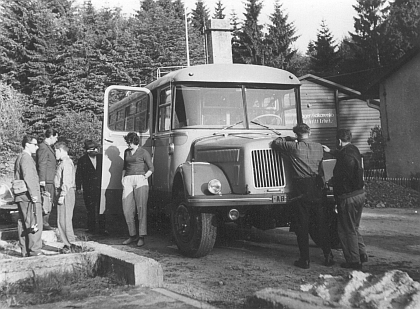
x=246, y=261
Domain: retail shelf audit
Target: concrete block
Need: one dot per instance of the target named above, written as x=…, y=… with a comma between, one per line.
x=275, y=298
x=12, y=234
x=135, y=269
x=12, y=270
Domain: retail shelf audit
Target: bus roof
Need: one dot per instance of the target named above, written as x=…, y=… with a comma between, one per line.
x=228, y=73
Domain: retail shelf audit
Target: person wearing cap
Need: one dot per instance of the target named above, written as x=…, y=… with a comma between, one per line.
x=88, y=182
x=306, y=160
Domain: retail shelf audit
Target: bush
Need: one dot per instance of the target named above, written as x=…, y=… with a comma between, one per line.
x=377, y=145
x=75, y=128
x=12, y=126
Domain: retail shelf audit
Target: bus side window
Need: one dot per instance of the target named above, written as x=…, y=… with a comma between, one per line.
x=164, y=119
x=180, y=117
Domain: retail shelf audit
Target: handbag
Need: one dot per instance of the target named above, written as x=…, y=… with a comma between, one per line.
x=19, y=186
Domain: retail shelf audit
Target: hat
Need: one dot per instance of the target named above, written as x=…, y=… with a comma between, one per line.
x=90, y=144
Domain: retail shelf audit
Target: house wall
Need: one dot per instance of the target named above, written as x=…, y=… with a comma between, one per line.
x=317, y=97
x=400, y=107
x=353, y=114
x=360, y=118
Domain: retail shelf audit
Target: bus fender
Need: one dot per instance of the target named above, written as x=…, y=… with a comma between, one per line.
x=195, y=177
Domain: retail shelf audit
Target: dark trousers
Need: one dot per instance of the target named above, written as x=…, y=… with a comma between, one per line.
x=349, y=216
x=306, y=213
x=29, y=242
x=49, y=187
x=95, y=221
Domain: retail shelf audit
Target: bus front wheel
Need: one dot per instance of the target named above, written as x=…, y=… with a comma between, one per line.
x=194, y=232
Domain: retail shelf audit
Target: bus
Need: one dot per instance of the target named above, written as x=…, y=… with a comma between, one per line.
x=208, y=129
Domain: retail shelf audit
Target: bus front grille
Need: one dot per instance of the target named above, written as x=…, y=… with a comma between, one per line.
x=267, y=168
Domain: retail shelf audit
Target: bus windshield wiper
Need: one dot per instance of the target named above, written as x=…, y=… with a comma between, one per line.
x=264, y=126
x=232, y=125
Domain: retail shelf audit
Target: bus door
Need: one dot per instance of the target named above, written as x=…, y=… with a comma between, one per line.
x=126, y=109
x=163, y=144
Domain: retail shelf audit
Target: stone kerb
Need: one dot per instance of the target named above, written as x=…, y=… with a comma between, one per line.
x=14, y=269
x=136, y=270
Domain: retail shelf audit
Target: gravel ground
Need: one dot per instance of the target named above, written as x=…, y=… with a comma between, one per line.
x=381, y=194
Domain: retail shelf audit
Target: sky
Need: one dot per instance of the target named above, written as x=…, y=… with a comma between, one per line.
x=306, y=15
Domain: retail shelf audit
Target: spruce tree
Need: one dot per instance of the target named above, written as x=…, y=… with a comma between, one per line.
x=199, y=16
x=251, y=36
x=324, y=54
x=279, y=40
x=218, y=11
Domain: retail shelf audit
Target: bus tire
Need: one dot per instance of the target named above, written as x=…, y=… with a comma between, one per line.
x=194, y=232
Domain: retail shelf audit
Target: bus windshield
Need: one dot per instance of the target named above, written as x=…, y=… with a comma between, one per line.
x=234, y=107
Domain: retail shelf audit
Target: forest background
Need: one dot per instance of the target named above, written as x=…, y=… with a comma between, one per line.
x=56, y=59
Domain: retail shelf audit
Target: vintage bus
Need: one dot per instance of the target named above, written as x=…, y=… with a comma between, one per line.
x=208, y=129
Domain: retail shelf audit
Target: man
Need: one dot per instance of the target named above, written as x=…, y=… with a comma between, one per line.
x=306, y=159
x=46, y=166
x=88, y=181
x=348, y=186
x=30, y=210
x=65, y=183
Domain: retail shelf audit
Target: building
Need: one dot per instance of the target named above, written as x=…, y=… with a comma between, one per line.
x=327, y=106
x=399, y=93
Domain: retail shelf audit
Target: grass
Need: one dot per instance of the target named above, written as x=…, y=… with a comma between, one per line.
x=82, y=282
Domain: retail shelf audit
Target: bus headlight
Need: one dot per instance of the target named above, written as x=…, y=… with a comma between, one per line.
x=215, y=186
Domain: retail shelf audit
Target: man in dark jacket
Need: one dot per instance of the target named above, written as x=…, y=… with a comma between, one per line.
x=306, y=159
x=46, y=164
x=348, y=186
x=88, y=181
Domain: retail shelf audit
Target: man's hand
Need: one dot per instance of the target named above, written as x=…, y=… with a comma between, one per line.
x=326, y=148
x=60, y=200
x=290, y=139
x=42, y=183
x=34, y=199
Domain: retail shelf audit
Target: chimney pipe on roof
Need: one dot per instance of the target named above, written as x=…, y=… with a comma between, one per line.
x=218, y=41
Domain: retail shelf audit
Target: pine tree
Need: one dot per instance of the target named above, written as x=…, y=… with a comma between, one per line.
x=251, y=36
x=324, y=55
x=218, y=11
x=279, y=40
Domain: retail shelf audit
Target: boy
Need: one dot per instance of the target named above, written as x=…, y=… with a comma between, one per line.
x=64, y=181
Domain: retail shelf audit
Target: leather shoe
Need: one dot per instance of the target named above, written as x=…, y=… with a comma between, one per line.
x=364, y=258
x=355, y=266
x=140, y=243
x=329, y=260
x=130, y=240
x=302, y=264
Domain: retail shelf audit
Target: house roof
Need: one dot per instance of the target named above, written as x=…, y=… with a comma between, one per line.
x=351, y=93
x=329, y=84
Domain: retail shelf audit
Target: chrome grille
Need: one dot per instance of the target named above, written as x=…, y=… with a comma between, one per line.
x=268, y=169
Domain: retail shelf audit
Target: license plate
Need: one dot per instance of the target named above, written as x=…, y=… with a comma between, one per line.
x=279, y=198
